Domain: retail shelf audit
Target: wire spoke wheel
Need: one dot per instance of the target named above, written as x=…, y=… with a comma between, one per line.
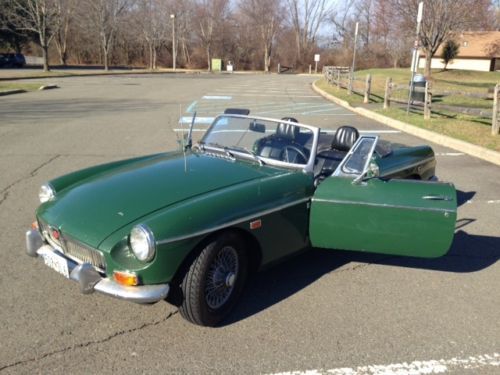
x=215, y=280
x=221, y=276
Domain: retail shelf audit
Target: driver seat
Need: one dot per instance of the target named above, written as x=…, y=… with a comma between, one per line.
x=272, y=146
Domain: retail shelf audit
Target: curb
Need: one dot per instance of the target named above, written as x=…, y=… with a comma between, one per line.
x=462, y=146
x=10, y=92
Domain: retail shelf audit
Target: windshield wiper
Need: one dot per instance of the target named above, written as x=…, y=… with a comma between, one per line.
x=249, y=152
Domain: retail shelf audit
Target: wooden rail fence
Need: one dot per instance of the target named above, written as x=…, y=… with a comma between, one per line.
x=341, y=78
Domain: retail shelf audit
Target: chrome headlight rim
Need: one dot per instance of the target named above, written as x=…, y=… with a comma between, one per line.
x=147, y=235
x=46, y=193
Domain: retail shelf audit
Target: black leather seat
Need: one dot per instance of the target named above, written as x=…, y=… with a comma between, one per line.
x=327, y=161
x=283, y=144
x=344, y=138
x=272, y=146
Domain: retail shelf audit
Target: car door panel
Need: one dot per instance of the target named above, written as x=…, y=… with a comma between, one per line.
x=400, y=217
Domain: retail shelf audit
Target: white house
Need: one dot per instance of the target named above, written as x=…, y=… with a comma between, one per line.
x=479, y=50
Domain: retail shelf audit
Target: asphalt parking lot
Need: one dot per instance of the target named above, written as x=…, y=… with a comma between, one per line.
x=343, y=312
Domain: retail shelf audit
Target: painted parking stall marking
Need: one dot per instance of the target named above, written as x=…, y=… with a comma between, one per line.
x=217, y=97
x=450, y=154
x=441, y=366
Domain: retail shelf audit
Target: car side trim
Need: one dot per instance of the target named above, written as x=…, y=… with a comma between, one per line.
x=335, y=201
x=234, y=222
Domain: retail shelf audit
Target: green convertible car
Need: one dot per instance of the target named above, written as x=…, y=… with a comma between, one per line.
x=189, y=226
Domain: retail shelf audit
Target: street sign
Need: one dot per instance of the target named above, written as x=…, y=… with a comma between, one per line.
x=316, y=57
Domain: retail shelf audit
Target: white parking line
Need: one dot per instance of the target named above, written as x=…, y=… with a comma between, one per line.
x=450, y=154
x=217, y=97
x=491, y=201
x=186, y=130
x=198, y=120
x=414, y=368
x=278, y=96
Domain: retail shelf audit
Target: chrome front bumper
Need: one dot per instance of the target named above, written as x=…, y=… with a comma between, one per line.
x=90, y=280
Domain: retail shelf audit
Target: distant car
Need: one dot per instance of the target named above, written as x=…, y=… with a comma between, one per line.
x=190, y=225
x=12, y=60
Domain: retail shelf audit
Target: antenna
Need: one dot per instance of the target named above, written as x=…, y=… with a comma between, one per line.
x=189, y=141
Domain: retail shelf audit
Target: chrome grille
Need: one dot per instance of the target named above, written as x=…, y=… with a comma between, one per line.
x=84, y=254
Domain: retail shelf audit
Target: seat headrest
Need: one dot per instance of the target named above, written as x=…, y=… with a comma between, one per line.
x=344, y=138
x=287, y=131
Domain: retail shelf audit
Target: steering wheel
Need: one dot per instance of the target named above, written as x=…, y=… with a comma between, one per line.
x=290, y=154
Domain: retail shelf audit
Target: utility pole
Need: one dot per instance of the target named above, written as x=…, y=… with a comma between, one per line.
x=174, y=52
x=353, y=57
x=414, y=59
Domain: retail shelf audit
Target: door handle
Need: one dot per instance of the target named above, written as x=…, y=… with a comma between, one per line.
x=437, y=198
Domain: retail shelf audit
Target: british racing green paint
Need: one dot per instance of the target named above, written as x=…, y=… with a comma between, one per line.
x=408, y=161
x=400, y=217
x=186, y=199
x=182, y=201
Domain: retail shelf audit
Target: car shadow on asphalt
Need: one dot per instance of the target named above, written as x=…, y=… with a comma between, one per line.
x=464, y=196
x=468, y=253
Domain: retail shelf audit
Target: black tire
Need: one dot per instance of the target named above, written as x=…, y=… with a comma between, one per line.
x=203, y=303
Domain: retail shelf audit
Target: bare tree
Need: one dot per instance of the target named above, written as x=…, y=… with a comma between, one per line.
x=341, y=18
x=209, y=16
x=184, y=24
x=153, y=22
x=103, y=17
x=65, y=11
x=441, y=18
x=265, y=16
x=40, y=17
x=306, y=17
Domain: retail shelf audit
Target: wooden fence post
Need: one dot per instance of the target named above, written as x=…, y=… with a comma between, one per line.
x=368, y=86
x=495, y=126
x=427, y=100
x=338, y=78
x=387, y=95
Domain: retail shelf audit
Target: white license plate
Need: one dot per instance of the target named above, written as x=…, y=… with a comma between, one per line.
x=57, y=263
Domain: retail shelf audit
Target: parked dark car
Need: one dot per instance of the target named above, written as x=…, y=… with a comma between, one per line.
x=12, y=60
x=189, y=225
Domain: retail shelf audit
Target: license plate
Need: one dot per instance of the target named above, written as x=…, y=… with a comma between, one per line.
x=57, y=263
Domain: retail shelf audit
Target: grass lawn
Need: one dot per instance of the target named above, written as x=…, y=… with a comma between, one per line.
x=473, y=129
x=6, y=86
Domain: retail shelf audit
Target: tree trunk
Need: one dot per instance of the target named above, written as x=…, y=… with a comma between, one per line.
x=151, y=62
x=266, y=59
x=187, y=58
x=105, y=57
x=428, y=62
x=209, y=60
x=45, y=54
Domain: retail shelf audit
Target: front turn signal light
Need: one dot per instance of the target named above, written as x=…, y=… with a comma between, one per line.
x=126, y=278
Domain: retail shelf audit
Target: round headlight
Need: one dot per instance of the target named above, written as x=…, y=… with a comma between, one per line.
x=142, y=242
x=46, y=193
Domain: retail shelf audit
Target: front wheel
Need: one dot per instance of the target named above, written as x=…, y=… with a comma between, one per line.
x=215, y=280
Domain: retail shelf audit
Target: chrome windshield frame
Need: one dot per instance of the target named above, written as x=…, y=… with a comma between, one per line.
x=307, y=168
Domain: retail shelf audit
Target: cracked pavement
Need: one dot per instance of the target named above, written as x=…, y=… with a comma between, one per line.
x=321, y=309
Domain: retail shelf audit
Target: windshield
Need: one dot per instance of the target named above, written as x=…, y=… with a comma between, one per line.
x=267, y=141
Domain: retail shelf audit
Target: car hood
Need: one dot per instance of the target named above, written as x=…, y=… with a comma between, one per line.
x=95, y=207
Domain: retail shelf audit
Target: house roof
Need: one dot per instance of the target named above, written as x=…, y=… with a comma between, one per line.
x=482, y=44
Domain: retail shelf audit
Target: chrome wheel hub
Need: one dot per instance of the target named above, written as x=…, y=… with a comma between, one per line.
x=221, y=277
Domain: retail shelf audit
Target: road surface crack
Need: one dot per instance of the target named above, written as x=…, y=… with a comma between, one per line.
x=89, y=343
x=4, y=193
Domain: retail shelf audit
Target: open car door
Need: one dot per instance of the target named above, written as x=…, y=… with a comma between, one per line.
x=355, y=210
